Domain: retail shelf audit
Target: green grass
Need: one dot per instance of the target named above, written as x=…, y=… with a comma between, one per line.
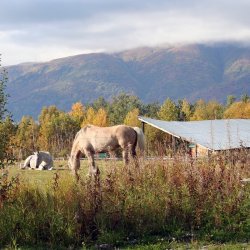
x=129, y=207
x=42, y=179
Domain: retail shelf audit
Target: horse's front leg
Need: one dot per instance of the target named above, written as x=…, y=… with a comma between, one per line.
x=93, y=169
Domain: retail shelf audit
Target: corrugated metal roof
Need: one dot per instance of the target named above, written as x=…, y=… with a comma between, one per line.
x=212, y=134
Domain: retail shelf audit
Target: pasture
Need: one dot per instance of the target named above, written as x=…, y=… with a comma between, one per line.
x=158, y=205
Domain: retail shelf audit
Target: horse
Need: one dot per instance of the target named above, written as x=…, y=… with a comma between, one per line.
x=93, y=139
x=39, y=160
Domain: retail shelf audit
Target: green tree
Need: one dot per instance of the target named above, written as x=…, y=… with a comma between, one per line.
x=151, y=110
x=6, y=124
x=230, y=100
x=245, y=98
x=99, y=103
x=3, y=96
x=120, y=106
x=168, y=111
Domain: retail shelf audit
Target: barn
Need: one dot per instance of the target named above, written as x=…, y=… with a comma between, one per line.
x=203, y=138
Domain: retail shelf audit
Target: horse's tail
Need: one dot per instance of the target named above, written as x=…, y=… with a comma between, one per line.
x=140, y=139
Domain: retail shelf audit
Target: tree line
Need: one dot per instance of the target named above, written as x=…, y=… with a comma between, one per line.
x=54, y=129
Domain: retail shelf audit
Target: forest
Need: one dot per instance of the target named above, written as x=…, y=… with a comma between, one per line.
x=54, y=129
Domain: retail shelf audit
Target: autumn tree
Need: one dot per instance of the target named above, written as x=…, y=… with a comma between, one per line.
x=64, y=130
x=168, y=111
x=207, y=111
x=57, y=131
x=186, y=110
x=47, y=128
x=27, y=135
x=89, y=117
x=101, y=118
x=77, y=113
x=98, y=118
x=131, y=118
x=238, y=110
x=199, y=111
x=214, y=110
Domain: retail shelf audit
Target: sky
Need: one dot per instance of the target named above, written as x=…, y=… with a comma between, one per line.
x=42, y=30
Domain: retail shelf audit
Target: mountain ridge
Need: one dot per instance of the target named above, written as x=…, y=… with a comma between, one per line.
x=153, y=74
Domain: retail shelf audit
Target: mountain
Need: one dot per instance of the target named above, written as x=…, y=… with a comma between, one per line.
x=153, y=74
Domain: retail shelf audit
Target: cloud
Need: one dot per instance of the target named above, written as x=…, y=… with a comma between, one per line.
x=43, y=30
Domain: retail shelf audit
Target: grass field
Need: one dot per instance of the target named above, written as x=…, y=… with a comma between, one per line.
x=158, y=205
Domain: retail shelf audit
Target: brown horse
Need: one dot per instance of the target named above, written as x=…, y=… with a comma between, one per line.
x=92, y=139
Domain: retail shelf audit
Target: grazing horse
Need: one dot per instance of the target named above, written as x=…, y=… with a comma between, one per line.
x=92, y=139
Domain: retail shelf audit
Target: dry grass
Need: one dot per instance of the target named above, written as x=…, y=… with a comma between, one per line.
x=187, y=200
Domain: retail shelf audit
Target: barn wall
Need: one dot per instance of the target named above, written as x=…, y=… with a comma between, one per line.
x=199, y=151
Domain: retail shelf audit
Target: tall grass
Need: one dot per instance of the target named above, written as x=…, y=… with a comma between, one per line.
x=194, y=199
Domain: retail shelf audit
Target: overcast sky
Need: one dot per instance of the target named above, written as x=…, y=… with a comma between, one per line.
x=41, y=30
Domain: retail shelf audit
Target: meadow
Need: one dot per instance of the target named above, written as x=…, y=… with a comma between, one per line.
x=160, y=204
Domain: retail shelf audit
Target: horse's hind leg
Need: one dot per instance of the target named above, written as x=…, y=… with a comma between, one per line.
x=133, y=152
x=125, y=155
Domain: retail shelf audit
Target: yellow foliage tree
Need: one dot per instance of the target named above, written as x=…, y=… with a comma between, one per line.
x=27, y=136
x=168, y=111
x=238, y=110
x=77, y=112
x=200, y=111
x=101, y=118
x=131, y=118
x=214, y=110
x=89, y=117
x=207, y=111
x=186, y=109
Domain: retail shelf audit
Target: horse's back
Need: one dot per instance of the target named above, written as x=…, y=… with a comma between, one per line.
x=106, y=138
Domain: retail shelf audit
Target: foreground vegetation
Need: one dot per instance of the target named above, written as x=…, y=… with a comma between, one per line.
x=161, y=202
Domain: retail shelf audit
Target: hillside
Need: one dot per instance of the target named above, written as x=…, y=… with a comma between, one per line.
x=153, y=74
